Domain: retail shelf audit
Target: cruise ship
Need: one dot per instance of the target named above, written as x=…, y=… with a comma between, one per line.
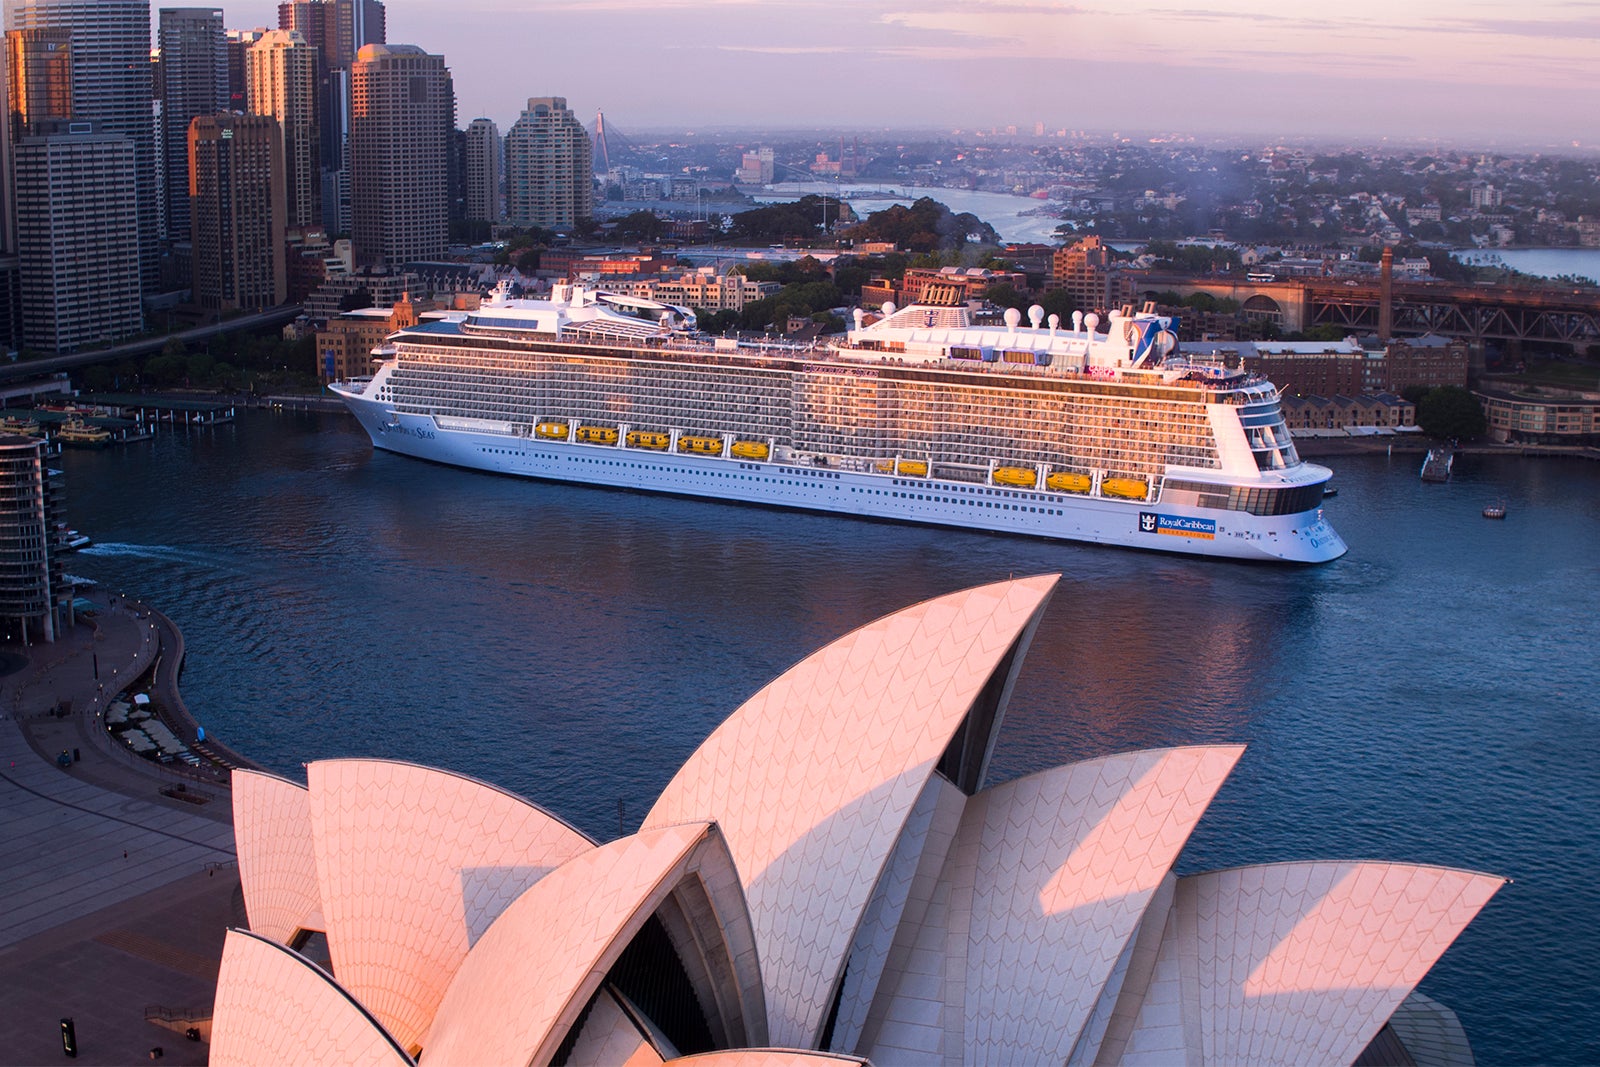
x=1099, y=432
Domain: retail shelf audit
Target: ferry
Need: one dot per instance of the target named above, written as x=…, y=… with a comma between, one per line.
x=1101, y=431
x=79, y=434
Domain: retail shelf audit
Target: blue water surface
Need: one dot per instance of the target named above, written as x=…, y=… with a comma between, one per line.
x=1431, y=697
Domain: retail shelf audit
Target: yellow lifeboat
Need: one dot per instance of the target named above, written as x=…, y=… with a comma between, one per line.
x=914, y=467
x=750, y=449
x=709, y=446
x=597, y=435
x=1024, y=476
x=1126, y=488
x=1066, y=482
x=555, y=431
x=647, y=439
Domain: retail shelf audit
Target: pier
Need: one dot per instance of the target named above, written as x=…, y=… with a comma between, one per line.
x=154, y=409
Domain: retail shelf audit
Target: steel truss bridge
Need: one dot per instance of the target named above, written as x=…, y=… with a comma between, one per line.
x=1476, y=313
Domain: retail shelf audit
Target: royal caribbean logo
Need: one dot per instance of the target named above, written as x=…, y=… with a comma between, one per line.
x=1177, y=525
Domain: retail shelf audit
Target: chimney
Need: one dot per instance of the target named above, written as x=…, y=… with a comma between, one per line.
x=1386, y=296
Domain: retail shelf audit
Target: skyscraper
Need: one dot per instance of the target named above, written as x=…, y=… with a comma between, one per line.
x=281, y=81
x=111, y=87
x=194, y=81
x=400, y=120
x=38, y=78
x=237, y=191
x=237, y=45
x=549, y=173
x=483, y=171
x=337, y=30
x=77, y=236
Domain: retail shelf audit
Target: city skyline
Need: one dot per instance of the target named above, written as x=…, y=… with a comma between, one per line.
x=1480, y=74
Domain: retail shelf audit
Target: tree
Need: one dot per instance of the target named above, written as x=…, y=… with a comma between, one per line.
x=925, y=226
x=1451, y=411
x=641, y=225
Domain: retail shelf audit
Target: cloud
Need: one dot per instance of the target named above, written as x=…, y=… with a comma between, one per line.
x=1562, y=29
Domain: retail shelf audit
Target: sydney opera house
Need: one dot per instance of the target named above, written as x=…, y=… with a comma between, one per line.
x=827, y=879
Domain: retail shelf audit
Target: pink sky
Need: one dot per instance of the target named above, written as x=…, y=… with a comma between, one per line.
x=1480, y=72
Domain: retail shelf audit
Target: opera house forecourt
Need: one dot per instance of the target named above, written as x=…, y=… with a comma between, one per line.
x=828, y=878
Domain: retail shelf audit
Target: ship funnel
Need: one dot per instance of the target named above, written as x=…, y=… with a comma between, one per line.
x=1013, y=317
x=1035, y=316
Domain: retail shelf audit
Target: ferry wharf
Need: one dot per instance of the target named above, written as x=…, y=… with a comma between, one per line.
x=119, y=876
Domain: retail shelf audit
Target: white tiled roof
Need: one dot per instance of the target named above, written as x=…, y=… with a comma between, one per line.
x=526, y=982
x=809, y=846
x=1042, y=891
x=813, y=778
x=276, y=1007
x=1296, y=963
x=277, y=861
x=413, y=865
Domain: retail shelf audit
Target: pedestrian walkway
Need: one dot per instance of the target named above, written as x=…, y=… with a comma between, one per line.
x=118, y=875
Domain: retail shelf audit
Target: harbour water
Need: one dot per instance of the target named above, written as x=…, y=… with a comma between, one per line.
x=1430, y=697
x=1541, y=262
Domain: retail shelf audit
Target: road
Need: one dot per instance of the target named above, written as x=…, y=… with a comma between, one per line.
x=35, y=368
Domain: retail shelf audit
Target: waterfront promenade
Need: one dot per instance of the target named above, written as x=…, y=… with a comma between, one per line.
x=118, y=875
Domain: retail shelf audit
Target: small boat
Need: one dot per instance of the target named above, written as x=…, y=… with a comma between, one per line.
x=14, y=424
x=1436, y=467
x=597, y=435
x=1126, y=488
x=1495, y=510
x=1067, y=482
x=80, y=434
x=1026, y=477
x=914, y=467
x=709, y=446
x=647, y=439
x=1328, y=491
x=750, y=449
x=72, y=540
x=554, y=431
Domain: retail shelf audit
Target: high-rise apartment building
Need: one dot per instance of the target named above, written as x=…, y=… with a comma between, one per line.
x=34, y=588
x=1084, y=269
x=77, y=236
x=549, y=170
x=281, y=78
x=193, y=81
x=483, y=171
x=111, y=86
x=237, y=190
x=10, y=293
x=400, y=120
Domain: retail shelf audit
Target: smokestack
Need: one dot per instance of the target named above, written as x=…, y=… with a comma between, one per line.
x=1386, y=296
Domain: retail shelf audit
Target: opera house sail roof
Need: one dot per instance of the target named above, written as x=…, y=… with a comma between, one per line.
x=829, y=878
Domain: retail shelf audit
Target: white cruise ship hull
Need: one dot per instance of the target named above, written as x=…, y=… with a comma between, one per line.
x=1299, y=538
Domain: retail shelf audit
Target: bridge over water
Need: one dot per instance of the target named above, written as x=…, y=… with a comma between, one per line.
x=1477, y=313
